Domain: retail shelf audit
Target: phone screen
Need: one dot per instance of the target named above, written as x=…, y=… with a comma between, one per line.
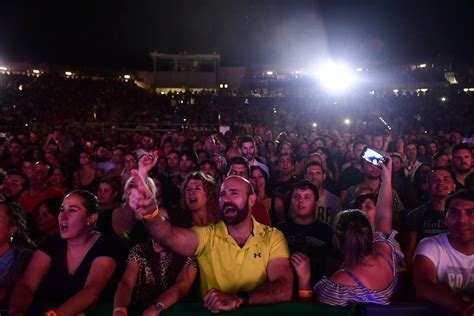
x=373, y=157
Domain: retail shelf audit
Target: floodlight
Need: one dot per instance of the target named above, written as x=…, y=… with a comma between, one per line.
x=3, y=68
x=269, y=73
x=226, y=85
x=395, y=91
x=335, y=77
x=221, y=86
x=315, y=124
x=422, y=65
x=68, y=73
x=126, y=76
x=347, y=121
x=443, y=99
x=36, y=71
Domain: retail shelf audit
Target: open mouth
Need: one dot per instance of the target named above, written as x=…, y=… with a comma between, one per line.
x=63, y=227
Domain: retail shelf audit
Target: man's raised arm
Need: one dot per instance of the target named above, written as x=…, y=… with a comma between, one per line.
x=181, y=240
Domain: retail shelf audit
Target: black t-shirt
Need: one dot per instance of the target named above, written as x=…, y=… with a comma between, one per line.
x=58, y=285
x=426, y=222
x=314, y=240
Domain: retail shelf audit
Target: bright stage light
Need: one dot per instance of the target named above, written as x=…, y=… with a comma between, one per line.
x=315, y=124
x=126, y=76
x=347, y=121
x=335, y=77
x=443, y=99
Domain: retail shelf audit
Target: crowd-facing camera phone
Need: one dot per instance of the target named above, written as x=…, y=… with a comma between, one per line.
x=373, y=156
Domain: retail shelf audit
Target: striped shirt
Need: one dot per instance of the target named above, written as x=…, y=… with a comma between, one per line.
x=342, y=295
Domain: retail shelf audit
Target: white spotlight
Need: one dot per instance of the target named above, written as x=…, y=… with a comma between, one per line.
x=347, y=121
x=335, y=77
x=315, y=124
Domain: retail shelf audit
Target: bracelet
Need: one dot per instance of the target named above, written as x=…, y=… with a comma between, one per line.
x=152, y=214
x=50, y=313
x=121, y=309
x=305, y=293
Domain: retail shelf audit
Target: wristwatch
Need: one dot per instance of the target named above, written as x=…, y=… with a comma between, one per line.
x=160, y=306
x=243, y=297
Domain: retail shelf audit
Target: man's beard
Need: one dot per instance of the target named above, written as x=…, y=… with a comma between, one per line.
x=238, y=218
x=249, y=156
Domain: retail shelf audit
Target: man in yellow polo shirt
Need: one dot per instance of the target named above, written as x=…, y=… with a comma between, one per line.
x=240, y=260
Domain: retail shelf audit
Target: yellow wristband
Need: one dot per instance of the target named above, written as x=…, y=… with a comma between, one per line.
x=50, y=313
x=152, y=214
x=305, y=293
x=121, y=309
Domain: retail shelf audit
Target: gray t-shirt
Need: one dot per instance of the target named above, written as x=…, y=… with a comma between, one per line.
x=454, y=269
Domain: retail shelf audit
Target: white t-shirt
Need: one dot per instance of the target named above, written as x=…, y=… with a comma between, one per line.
x=453, y=268
x=328, y=206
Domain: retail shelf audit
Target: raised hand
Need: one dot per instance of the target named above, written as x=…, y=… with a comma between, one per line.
x=140, y=199
x=386, y=174
x=146, y=163
x=216, y=301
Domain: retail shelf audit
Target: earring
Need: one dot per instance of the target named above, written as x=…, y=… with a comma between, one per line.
x=11, y=238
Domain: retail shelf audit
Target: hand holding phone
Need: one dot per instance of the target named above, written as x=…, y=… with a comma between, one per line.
x=374, y=157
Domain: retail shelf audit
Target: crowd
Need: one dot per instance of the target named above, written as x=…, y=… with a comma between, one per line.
x=260, y=214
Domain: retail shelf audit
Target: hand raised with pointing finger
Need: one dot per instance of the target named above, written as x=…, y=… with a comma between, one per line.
x=140, y=198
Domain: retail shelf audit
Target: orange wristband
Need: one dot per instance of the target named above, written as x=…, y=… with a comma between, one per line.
x=50, y=313
x=152, y=214
x=305, y=293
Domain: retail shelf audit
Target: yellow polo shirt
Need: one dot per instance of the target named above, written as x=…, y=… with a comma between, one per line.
x=225, y=266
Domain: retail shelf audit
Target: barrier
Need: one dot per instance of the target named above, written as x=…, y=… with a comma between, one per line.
x=300, y=309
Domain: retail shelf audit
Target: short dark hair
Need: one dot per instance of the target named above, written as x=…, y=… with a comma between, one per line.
x=238, y=160
x=209, y=162
x=314, y=163
x=461, y=146
x=434, y=169
x=26, y=183
x=16, y=140
x=463, y=194
x=173, y=151
x=305, y=185
x=438, y=154
x=293, y=161
x=115, y=183
x=48, y=166
x=246, y=139
x=52, y=204
x=191, y=154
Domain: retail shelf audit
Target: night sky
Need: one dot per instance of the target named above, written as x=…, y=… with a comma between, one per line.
x=120, y=34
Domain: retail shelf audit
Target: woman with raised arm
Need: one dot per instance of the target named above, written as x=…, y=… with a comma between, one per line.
x=369, y=273
x=69, y=271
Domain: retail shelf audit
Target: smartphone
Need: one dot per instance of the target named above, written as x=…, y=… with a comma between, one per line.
x=372, y=156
